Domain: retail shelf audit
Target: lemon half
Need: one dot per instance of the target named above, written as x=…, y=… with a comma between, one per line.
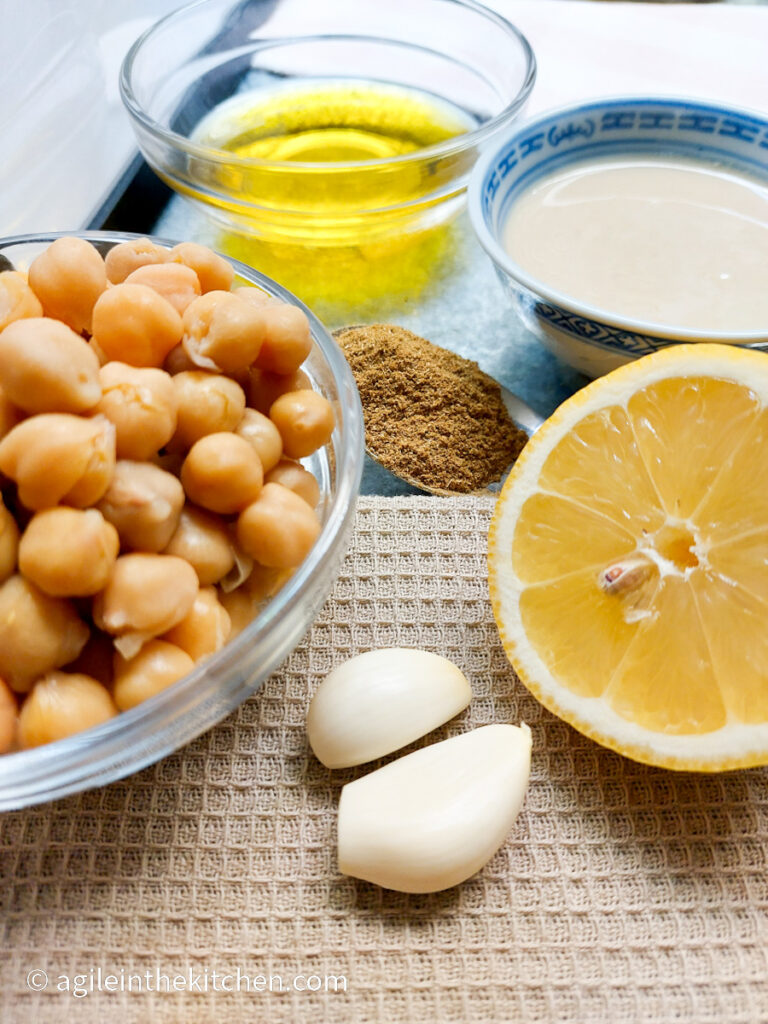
x=628, y=560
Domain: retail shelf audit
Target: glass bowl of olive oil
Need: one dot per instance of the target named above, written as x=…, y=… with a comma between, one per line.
x=329, y=143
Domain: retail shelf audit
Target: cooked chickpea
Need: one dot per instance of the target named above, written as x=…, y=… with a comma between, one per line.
x=157, y=666
x=287, y=339
x=176, y=283
x=9, y=543
x=222, y=332
x=202, y=539
x=46, y=367
x=208, y=403
x=265, y=581
x=142, y=404
x=58, y=458
x=255, y=295
x=205, y=628
x=214, y=272
x=9, y=711
x=96, y=658
x=17, y=300
x=305, y=421
x=68, y=277
x=67, y=552
x=263, y=436
x=241, y=609
x=9, y=414
x=143, y=503
x=135, y=325
x=146, y=594
x=37, y=632
x=126, y=257
x=222, y=473
x=265, y=388
x=297, y=479
x=177, y=361
x=62, y=704
x=278, y=529
x=244, y=603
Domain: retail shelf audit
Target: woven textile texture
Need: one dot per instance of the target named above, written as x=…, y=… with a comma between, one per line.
x=623, y=893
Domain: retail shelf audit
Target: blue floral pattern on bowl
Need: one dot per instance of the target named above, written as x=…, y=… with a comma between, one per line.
x=590, y=339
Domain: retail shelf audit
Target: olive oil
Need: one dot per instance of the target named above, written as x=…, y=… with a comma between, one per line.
x=325, y=122
x=330, y=177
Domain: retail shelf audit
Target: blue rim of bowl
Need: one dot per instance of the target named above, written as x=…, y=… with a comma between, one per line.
x=447, y=148
x=38, y=774
x=557, y=298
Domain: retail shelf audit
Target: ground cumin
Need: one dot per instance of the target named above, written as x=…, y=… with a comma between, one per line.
x=430, y=415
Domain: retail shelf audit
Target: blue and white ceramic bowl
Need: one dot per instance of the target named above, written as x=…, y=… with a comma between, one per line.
x=593, y=340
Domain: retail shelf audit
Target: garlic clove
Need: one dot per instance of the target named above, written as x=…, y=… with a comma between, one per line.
x=379, y=701
x=433, y=818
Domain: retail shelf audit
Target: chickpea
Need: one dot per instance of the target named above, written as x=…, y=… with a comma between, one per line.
x=177, y=361
x=208, y=403
x=222, y=332
x=37, y=633
x=135, y=325
x=287, y=339
x=255, y=295
x=214, y=272
x=176, y=283
x=142, y=404
x=67, y=552
x=244, y=603
x=305, y=420
x=278, y=529
x=265, y=388
x=157, y=666
x=17, y=300
x=46, y=367
x=263, y=436
x=145, y=594
x=9, y=414
x=264, y=582
x=62, y=704
x=297, y=479
x=57, y=458
x=241, y=609
x=222, y=473
x=205, y=629
x=203, y=540
x=68, y=278
x=9, y=711
x=9, y=543
x=96, y=658
x=125, y=257
x=143, y=503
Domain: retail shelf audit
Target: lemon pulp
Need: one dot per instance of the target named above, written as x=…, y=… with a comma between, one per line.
x=639, y=562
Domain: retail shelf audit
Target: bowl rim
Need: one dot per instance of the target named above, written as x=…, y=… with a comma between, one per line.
x=122, y=745
x=448, y=147
x=569, y=303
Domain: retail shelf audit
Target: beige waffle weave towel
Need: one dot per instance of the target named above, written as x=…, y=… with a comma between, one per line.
x=624, y=893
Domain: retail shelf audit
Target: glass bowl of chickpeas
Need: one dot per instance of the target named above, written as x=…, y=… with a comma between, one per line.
x=181, y=444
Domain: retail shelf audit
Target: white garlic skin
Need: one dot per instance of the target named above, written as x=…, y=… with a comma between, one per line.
x=380, y=701
x=433, y=818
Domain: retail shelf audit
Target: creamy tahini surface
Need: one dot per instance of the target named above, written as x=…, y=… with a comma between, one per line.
x=672, y=241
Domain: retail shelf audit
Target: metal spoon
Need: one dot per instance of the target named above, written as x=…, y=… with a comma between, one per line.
x=521, y=414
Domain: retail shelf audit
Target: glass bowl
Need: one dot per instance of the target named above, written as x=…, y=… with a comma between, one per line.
x=166, y=722
x=455, y=56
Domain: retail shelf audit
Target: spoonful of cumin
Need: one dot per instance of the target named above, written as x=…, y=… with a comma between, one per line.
x=433, y=418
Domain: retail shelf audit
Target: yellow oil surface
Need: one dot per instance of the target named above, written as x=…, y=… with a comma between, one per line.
x=332, y=122
x=330, y=231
